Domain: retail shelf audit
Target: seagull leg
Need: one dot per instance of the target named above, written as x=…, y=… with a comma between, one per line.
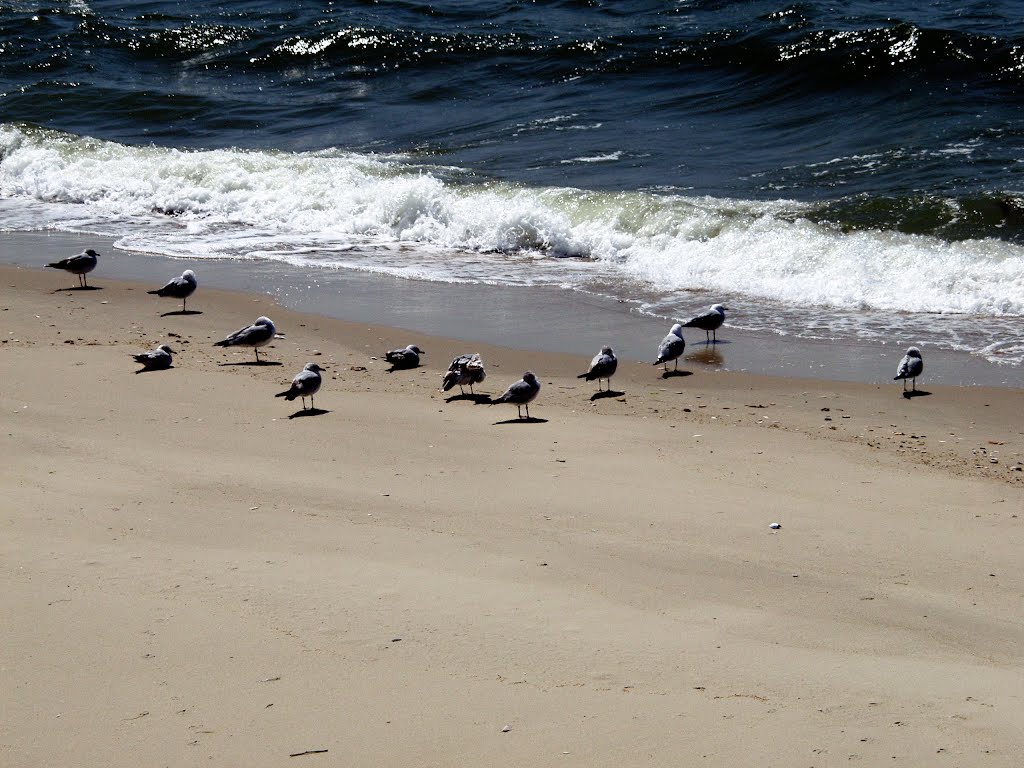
x=257, y=351
x=527, y=411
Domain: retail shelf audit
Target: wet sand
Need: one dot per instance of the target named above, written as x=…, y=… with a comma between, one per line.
x=541, y=319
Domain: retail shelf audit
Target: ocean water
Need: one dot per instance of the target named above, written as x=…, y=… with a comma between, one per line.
x=843, y=171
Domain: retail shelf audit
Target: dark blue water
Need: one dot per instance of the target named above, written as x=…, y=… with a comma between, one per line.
x=740, y=99
x=678, y=123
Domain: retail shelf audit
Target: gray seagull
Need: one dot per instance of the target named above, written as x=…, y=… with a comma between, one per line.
x=404, y=358
x=80, y=265
x=465, y=370
x=157, y=360
x=911, y=367
x=602, y=367
x=179, y=288
x=305, y=384
x=671, y=347
x=709, y=321
x=523, y=392
x=257, y=335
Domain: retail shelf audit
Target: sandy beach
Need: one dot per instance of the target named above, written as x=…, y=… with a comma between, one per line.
x=195, y=573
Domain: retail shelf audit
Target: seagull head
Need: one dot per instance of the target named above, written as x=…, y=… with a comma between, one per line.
x=720, y=309
x=529, y=377
x=913, y=352
x=606, y=350
x=188, y=273
x=677, y=329
x=312, y=367
x=417, y=350
x=166, y=349
x=266, y=322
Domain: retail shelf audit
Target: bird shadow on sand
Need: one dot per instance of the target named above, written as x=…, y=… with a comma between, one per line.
x=527, y=420
x=394, y=368
x=473, y=397
x=674, y=374
x=154, y=370
x=79, y=288
x=308, y=412
x=253, y=362
x=600, y=395
x=915, y=393
x=182, y=312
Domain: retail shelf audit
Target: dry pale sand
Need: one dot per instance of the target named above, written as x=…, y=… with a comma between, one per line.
x=191, y=577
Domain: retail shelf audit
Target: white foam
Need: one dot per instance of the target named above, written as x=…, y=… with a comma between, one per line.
x=384, y=214
x=609, y=157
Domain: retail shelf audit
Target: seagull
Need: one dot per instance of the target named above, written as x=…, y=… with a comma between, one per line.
x=404, y=358
x=464, y=370
x=257, y=335
x=306, y=383
x=521, y=393
x=709, y=321
x=602, y=367
x=157, y=360
x=179, y=288
x=671, y=347
x=911, y=367
x=80, y=265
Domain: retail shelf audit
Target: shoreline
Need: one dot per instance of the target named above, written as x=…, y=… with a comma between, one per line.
x=885, y=422
x=194, y=574
x=543, y=319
